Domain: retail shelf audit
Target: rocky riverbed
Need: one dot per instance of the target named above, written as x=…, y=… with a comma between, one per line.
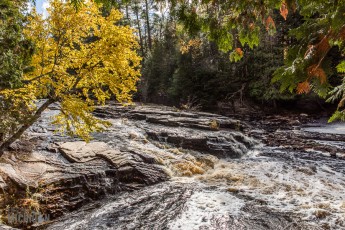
x=161, y=168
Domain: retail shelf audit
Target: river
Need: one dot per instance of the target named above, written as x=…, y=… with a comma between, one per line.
x=222, y=173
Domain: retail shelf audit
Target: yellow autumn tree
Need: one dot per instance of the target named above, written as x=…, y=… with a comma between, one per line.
x=80, y=60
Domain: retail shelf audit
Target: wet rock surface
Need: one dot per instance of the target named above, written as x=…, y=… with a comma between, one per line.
x=162, y=168
x=5, y=227
x=161, y=207
x=173, y=117
x=150, y=208
x=299, y=132
x=59, y=174
x=131, y=168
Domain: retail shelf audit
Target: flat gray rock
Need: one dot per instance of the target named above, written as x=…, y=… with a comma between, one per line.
x=80, y=151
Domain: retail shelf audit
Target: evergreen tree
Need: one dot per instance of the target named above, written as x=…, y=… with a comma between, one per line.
x=15, y=51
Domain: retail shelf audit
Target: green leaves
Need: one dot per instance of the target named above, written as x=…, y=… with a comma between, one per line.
x=341, y=67
x=223, y=39
x=338, y=115
x=188, y=17
x=250, y=37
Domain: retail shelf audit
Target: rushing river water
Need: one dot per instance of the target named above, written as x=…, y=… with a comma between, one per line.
x=267, y=187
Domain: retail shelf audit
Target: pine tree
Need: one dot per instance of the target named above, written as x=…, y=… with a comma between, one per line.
x=15, y=51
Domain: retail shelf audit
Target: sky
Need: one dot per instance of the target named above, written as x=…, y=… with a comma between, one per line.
x=41, y=5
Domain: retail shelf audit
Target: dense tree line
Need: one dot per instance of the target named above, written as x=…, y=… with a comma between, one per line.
x=185, y=66
x=208, y=52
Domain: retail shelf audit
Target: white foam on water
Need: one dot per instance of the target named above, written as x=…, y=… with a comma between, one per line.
x=313, y=191
x=202, y=206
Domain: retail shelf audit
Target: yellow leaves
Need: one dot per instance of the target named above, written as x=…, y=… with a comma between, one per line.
x=284, y=10
x=17, y=106
x=101, y=95
x=76, y=118
x=81, y=58
x=114, y=15
x=88, y=53
x=184, y=48
x=22, y=95
x=193, y=44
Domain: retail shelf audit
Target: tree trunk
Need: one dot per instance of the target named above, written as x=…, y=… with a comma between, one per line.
x=136, y=10
x=161, y=23
x=148, y=25
x=22, y=129
x=127, y=15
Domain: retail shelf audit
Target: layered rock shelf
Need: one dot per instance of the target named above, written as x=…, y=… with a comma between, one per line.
x=58, y=174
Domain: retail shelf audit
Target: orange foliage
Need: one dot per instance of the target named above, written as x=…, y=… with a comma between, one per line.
x=303, y=87
x=317, y=53
x=323, y=46
x=270, y=23
x=319, y=50
x=318, y=72
x=284, y=10
x=239, y=51
x=342, y=34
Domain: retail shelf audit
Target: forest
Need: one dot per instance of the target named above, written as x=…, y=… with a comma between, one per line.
x=181, y=114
